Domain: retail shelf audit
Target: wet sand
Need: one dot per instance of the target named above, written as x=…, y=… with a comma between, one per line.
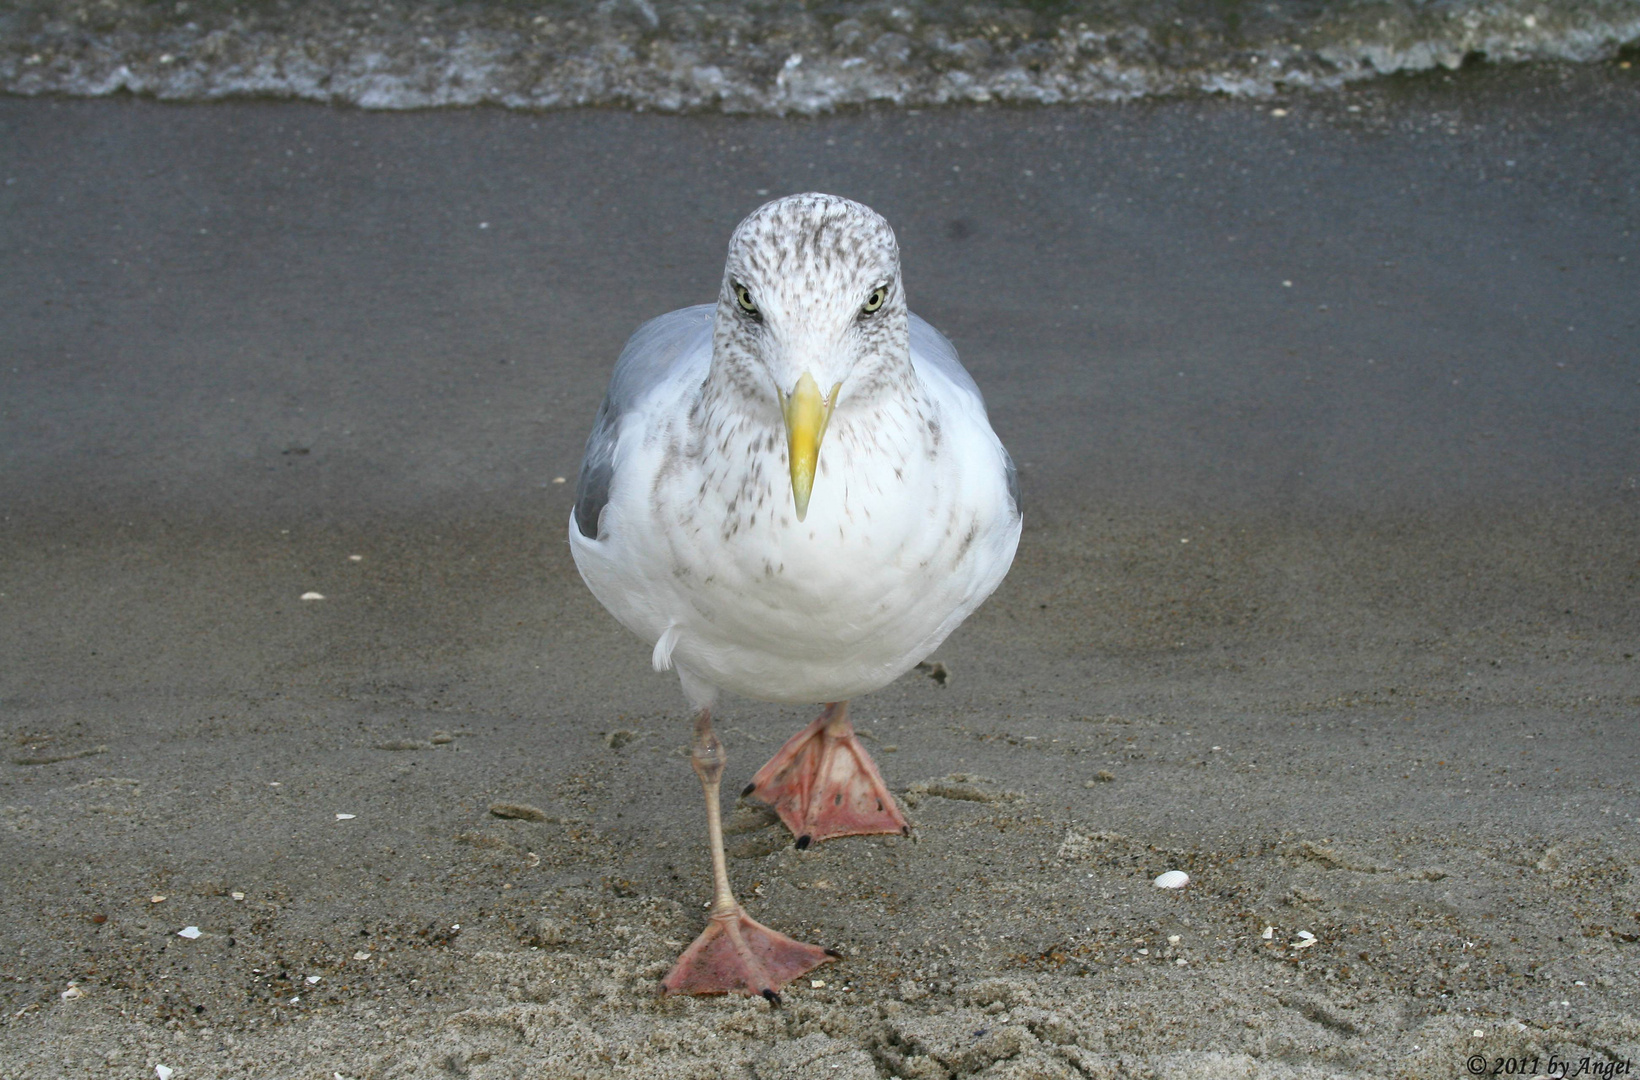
x=1327, y=596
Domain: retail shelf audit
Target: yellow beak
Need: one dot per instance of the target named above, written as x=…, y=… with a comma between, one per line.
x=807, y=414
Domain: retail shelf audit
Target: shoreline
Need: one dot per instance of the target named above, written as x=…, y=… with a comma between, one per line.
x=773, y=61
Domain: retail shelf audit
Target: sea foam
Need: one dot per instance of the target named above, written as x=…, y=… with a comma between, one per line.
x=776, y=57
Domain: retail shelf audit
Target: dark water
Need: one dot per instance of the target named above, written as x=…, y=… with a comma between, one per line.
x=776, y=56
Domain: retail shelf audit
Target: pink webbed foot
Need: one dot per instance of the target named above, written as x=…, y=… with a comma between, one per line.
x=822, y=783
x=736, y=954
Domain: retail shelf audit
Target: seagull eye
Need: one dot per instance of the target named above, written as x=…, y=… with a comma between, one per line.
x=875, y=300
x=743, y=297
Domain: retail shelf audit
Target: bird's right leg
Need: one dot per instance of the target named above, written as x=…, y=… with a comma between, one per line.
x=735, y=953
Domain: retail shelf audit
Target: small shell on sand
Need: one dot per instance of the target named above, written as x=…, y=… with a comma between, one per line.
x=1173, y=879
x=313, y=596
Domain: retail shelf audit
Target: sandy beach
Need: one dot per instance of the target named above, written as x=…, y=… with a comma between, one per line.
x=1328, y=425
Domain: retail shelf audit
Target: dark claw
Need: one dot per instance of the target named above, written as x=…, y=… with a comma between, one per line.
x=772, y=998
x=749, y=789
x=803, y=842
x=905, y=831
x=834, y=954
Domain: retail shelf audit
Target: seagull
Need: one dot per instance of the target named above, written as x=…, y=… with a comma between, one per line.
x=793, y=494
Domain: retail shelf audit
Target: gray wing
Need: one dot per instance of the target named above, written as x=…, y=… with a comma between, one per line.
x=648, y=359
x=933, y=351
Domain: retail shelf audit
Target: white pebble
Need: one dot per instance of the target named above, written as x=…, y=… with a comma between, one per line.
x=1173, y=879
x=163, y=1072
x=313, y=596
x=72, y=992
x=312, y=979
x=189, y=932
x=361, y=955
x=345, y=817
x=1269, y=932
x=237, y=895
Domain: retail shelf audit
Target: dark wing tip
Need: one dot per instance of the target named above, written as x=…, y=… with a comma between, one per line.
x=597, y=469
x=590, y=500
x=1012, y=473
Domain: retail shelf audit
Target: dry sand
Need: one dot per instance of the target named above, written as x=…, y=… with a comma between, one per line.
x=1327, y=596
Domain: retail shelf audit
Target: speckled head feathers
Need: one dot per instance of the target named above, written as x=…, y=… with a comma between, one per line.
x=800, y=294
x=813, y=241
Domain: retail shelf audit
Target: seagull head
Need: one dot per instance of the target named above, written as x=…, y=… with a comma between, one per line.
x=811, y=319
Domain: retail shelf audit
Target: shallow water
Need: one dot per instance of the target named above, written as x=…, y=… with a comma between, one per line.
x=775, y=57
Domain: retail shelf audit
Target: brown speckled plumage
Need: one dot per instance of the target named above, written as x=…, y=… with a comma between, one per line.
x=912, y=520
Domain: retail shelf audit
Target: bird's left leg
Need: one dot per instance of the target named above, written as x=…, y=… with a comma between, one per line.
x=735, y=953
x=822, y=783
